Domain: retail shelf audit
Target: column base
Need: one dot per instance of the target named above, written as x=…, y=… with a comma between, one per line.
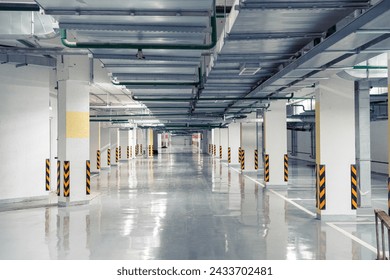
x=276, y=185
x=336, y=218
x=365, y=211
x=72, y=203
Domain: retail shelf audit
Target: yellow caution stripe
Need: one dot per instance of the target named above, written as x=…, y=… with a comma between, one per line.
x=242, y=159
x=256, y=159
x=58, y=177
x=128, y=152
x=98, y=154
x=286, y=168
x=229, y=155
x=220, y=152
x=354, y=187
x=266, y=168
x=321, y=189
x=88, y=177
x=47, y=185
x=116, y=154
x=66, y=178
x=108, y=157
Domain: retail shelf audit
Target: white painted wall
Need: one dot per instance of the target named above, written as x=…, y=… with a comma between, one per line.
x=379, y=146
x=25, y=136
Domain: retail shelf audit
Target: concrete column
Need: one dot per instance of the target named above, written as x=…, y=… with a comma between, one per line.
x=275, y=141
x=363, y=145
x=224, y=142
x=73, y=125
x=388, y=131
x=249, y=142
x=115, y=142
x=234, y=134
x=156, y=141
x=94, y=145
x=149, y=143
x=132, y=142
x=335, y=143
x=124, y=143
x=217, y=141
x=105, y=144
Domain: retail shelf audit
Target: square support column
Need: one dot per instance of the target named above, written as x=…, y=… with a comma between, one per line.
x=105, y=146
x=249, y=143
x=275, y=144
x=124, y=144
x=73, y=128
x=115, y=142
x=335, y=142
x=224, y=143
x=216, y=142
x=94, y=147
x=234, y=132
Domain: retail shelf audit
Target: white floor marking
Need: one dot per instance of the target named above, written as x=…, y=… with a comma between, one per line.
x=293, y=203
x=353, y=237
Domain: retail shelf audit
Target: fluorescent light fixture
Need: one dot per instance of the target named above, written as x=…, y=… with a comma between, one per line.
x=249, y=70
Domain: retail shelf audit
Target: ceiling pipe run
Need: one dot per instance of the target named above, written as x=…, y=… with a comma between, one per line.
x=19, y=7
x=111, y=45
x=215, y=99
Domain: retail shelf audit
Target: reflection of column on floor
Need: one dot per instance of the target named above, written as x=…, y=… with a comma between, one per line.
x=335, y=143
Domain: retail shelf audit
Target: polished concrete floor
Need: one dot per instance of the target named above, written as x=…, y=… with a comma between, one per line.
x=185, y=205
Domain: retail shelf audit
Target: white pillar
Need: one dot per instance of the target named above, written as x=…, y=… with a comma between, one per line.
x=216, y=142
x=94, y=145
x=105, y=145
x=224, y=139
x=115, y=142
x=335, y=142
x=124, y=144
x=249, y=142
x=133, y=142
x=73, y=126
x=149, y=142
x=275, y=142
x=234, y=132
x=388, y=129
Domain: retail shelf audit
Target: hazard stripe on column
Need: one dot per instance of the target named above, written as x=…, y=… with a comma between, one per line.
x=66, y=178
x=128, y=152
x=88, y=177
x=286, y=168
x=98, y=160
x=321, y=187
x=108, y=157
x=354, y=191
x=58, y=177
x=116, y=154
x=242, y=159
x=47, y=175
x=220, y=152
x=256, y=160
x=266, y=168
x=229, y=155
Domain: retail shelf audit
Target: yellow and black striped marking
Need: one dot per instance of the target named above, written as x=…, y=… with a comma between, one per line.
x=354, y=191
x=128, y=152
x=256, y=160
x=388, y=195
x=47, y=175
x=229, y=155
x=116, y=154
x=66, y=178
x=286, y=168
x=242, y=159
x=98, y=160
x=150, y=150
x=136, y=149
x=209, y=148
x=266, y=168
x=321, y=187
x=108, y=157
x=120, y=152
x=140, y=149
x=220, y=152
x=131, y=151
x=214, y=150
x=88, y=177
x=239, y=155
x=58, y=177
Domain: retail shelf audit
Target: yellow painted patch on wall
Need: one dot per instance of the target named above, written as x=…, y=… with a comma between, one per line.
x=77, y=124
